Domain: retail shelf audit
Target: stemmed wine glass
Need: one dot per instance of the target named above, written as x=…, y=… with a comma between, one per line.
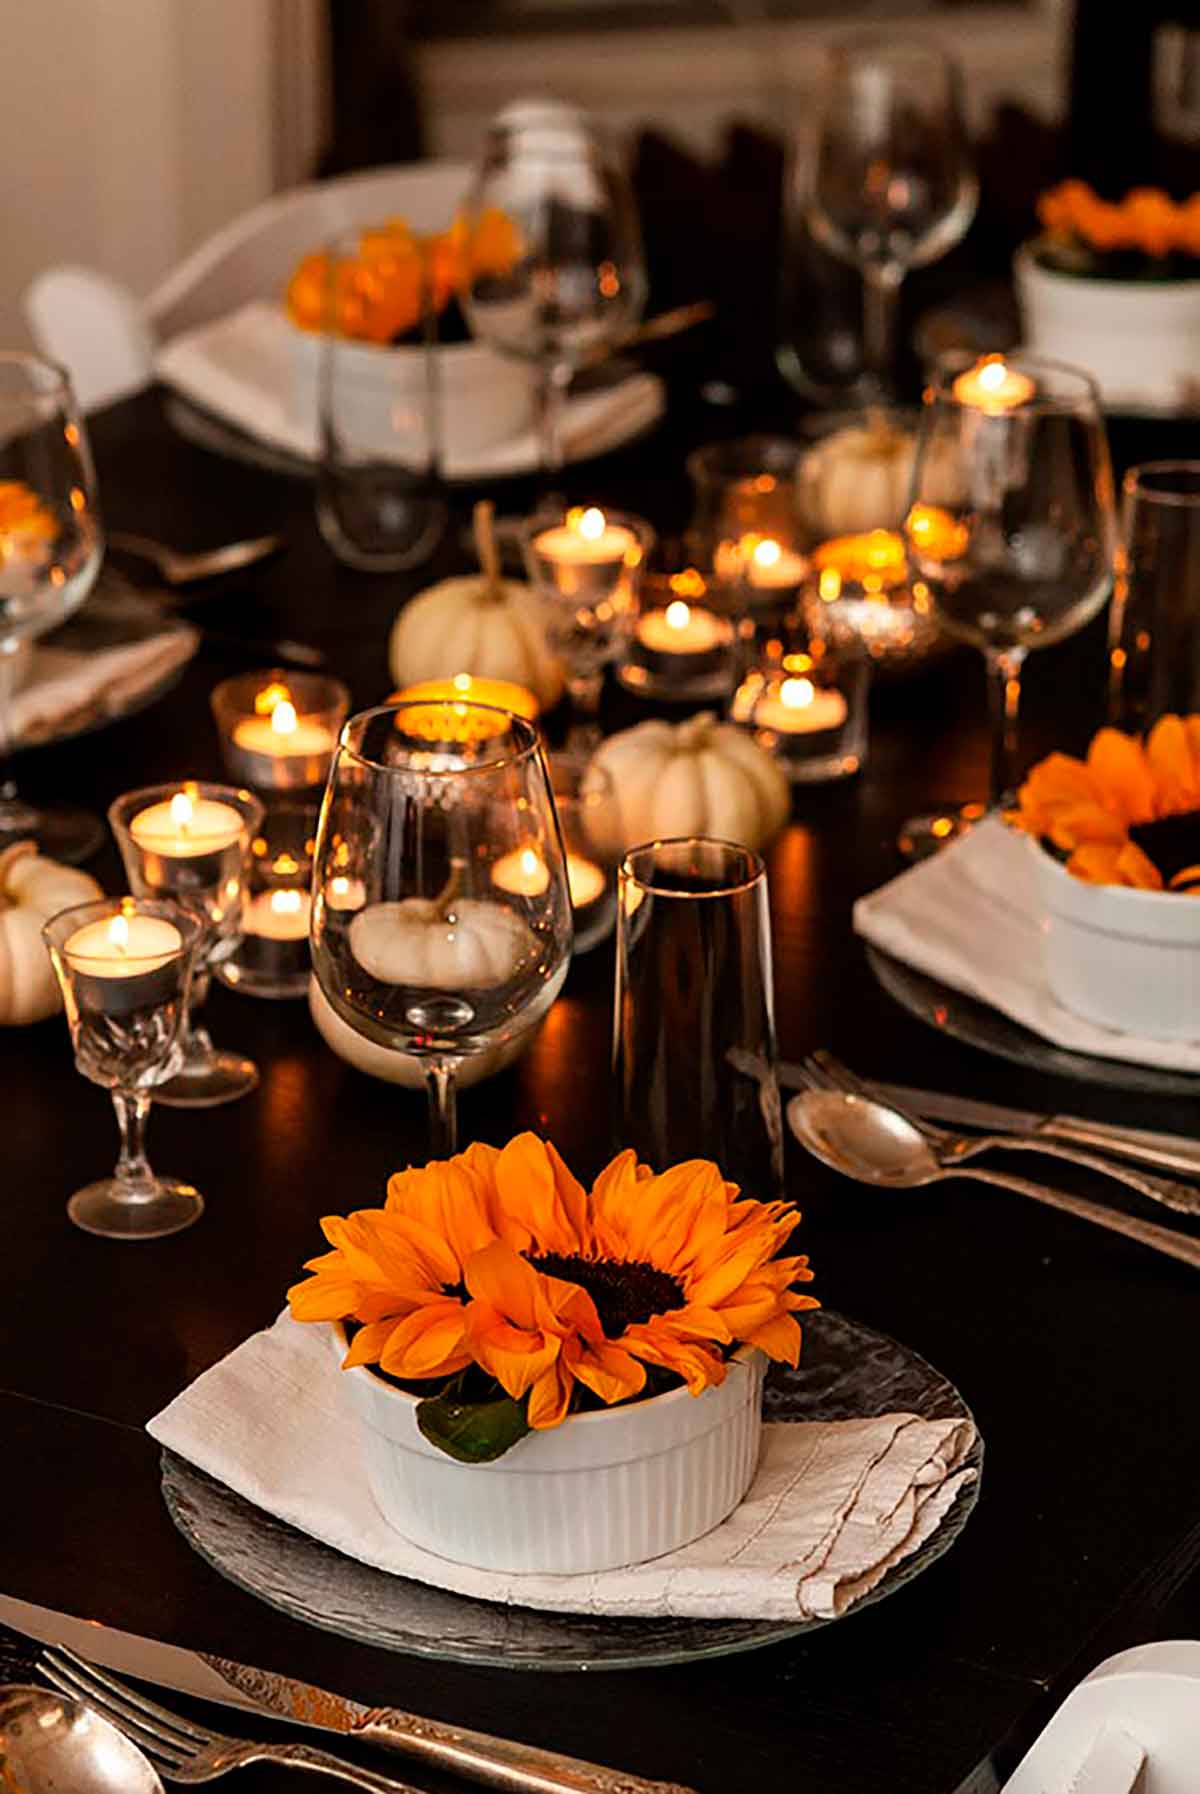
x=893, y=186
x=441, y=911
x=1011, y=529
x=577, y=278
x=51, y=547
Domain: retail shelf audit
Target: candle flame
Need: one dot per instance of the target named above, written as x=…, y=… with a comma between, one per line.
x=797, y=694
x=266, y=700
x=767, y=553
x=283, y=718
x=286, y=903
x=118, y=934
x=530, y=862
x=182, y=809
x=992, y=375
x=678, y=614
x=462, y=682
x=339, y=885
x=591, y=524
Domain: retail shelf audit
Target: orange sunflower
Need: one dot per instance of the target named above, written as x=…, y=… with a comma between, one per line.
x=1127, y=815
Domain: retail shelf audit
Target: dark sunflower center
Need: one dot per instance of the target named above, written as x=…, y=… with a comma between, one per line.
x=625, y=1294
x=1172, y=845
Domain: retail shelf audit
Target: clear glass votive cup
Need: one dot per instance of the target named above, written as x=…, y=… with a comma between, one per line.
x=683, y=639
x=694, y=1028
x=742, y=489
x=586, y=801
x=278, y=730
x=189, y=843
x=125, y=966
x=586, y=564
x=803, y=697
x=272, y=958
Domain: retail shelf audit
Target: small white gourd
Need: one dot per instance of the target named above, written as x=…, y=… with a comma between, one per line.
x=32, y=889
x=701, y=777
x=407, y=1069
x=478, y=623
x=445, y=942
x=856, y=479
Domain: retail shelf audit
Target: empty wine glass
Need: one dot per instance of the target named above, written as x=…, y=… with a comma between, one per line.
x=893, y=185
x=1011, y=530
x=571, y=277
x=441, y=910
x=51, y=547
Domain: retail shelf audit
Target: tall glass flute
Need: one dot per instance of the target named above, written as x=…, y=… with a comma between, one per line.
x=51, y=547
x=574, y=278
x=441, y=911
x=1154, y=627
x=694, y=1025
x=893, y=185
x=1011, y=529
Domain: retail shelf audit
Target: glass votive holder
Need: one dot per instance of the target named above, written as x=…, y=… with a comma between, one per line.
x=190, y=844
x=586, y=801
x=742, y=489
x=586, y=564
x=804, y=701
x=272, y=958
x=125, y=965
x=278, y=729
x=683, y=642
x=863, y=586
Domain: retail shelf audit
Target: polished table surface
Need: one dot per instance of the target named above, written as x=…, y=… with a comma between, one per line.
x=1074, y=1348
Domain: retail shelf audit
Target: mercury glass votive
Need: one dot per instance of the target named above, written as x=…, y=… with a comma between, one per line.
x=125, y=965
x=804, y=700
x=278, y=729
x=586, y=564
x=189, y=843
x=272, y=958
x=683, y=643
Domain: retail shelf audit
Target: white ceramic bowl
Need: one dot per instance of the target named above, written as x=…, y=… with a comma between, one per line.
x=401, y=1068
x=1126, y=959
x=1140, y=339
x=603, y=1490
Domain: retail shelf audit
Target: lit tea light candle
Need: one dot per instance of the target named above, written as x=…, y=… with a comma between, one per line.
x=277, y=747
x=186, y=826
x=586, y=538
x=524, y=873
x=792, y=706
x=345, y=893
x=585, y=880
x=119, y=962
x=469, y=688
x=772, y=567
x=682, y=628
x=280, y=915
x=992, y=387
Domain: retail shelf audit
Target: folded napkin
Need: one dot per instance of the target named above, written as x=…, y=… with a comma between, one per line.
x=115, y=650
x=242, y=368
x=834, y=1504
x=971, y=918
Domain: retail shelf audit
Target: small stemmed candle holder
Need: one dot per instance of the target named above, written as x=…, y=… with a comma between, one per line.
x=125, y=967
x=190, y=844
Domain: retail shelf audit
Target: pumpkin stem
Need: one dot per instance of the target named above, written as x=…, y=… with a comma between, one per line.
x=450, y=889
x=485, y=547
x=19, y=850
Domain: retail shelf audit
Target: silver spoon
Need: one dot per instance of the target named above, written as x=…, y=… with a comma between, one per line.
x=873, y=1144
x=52, y=1745
x=183, y=569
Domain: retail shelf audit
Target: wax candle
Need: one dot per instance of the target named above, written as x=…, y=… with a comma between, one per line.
x=796, y=706
x=469, y=688
x=874, y=560
x=992, y=387
x=123, y=962
x=682, y=629
x=771, y=567
x=345, y=893
x=522, y=873
x=186, y=827
x=587, y=559
x=585, y=880
x=279, y=915
x=278, y=748
x=586, y=538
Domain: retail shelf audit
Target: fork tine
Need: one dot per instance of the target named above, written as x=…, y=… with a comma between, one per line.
x=137, y=1731
x=815, y=1076
x=105, y=1688
x=843, y=1078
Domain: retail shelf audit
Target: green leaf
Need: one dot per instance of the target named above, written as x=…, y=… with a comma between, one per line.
x=472, y=1432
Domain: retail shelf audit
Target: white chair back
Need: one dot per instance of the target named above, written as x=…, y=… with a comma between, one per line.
x=96, y=328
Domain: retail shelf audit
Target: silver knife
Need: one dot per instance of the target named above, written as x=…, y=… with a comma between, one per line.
x=1171, y=1152
x=476, y=1756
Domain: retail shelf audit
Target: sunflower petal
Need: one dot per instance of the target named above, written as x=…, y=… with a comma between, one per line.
x=550, y=1397
x=1118, y=764
x=1169, y=755
x=779, y=1338
x=515, y=1356
x=428, y=1343
x=609, y=1372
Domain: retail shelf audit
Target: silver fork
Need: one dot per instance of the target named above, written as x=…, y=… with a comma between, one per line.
x=185, y=1752
x=180, y=569
x=829, y=1073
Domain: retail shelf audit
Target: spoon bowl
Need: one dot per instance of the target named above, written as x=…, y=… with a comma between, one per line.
x=52, y=1745
x=863, y=1139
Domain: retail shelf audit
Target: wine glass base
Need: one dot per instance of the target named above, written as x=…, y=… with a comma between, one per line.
x=60, y=834
x=209, y=1080
x=923, y=836
x=109, y=1208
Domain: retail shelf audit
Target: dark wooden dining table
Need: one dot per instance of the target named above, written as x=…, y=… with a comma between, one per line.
x=1074, y=1348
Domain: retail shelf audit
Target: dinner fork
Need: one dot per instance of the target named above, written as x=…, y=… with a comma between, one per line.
x=180, y=569
x=827, y=1072
x=183, y=1751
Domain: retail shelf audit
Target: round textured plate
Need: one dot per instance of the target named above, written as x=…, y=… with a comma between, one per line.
x=979, y=1025
x=846, y=1371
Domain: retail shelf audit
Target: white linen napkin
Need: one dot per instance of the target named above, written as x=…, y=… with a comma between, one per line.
x=971, y=918
x=96, y=666
x=241, y=367
x=834, y=1504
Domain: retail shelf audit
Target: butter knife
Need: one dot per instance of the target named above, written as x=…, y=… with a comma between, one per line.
x=1145, y=1146
x=499, y=1763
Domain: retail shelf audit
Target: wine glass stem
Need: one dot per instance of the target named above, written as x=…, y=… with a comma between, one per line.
x=881, y=291
x=15, y=817
x=443, y=1107
x=1004, y=692
x=549, y=398
x=133, y=1167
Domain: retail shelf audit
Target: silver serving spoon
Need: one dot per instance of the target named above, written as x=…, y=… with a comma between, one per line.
x=873, y=1144
x=52, y=1745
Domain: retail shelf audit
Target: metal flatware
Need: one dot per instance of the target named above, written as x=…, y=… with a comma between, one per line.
x=180, y=569
x=281, y=653
x=655, y=330
x=822, y=1068
x=499, y=1763
x=1144, y=1146
x=874, y=1144
x=53, y=1745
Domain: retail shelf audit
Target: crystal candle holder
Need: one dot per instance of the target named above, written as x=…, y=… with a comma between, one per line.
x=125, y=966
x=190, y=844
x=682, y=643
x=278, y=729
x=587, y=565
x=586, y=801
x=804, y=700
x=744, y=491
x=272, y=958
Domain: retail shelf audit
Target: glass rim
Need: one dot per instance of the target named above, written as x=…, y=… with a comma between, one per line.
x=1134, y=484
x=262, y=677
x=953, y=362
x=532, y=526
x=703, y=462
x=243, y=800
x=57, y=387
x=95, y=909
x=518, y=725
x=905, y=45
x=731, y=889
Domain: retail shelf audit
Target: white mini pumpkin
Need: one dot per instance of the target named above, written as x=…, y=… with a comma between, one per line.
x=32, y=890
x=468, y=625
x=420, y=942
x=701, y=777
x=403, y=1068
x=856, y=479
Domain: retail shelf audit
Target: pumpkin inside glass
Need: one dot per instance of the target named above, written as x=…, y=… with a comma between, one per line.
x=441, y=910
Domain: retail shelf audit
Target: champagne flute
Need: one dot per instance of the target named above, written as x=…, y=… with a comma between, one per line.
x=1011, y=530
x=572, y=278
x=441, y=909
x=893, y=186
x=1154, y=627
x=51, y=547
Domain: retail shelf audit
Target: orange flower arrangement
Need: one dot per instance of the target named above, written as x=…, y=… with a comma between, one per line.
x=1127, y=815
x=1145, y=221
x=24, y=519
x=496, y=1277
